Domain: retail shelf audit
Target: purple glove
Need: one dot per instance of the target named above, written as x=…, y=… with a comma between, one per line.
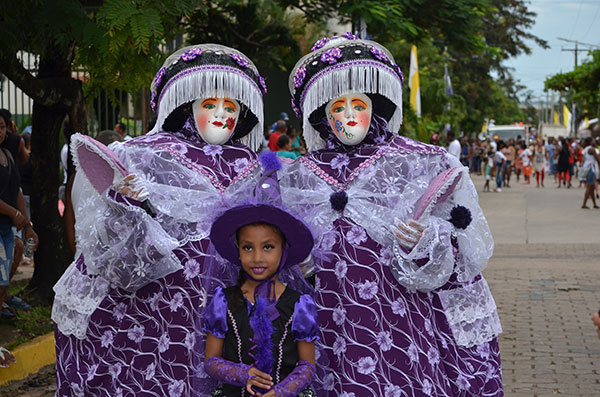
x=226, y=371
x=298, y=380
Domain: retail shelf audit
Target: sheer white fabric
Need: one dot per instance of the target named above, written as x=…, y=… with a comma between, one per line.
x=127, y=248
x=390, y=188
x=471, y=313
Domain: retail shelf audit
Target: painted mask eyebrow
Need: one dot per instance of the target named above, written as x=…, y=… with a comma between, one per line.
x=211, y=101
x=356, y=101
x=230, y=104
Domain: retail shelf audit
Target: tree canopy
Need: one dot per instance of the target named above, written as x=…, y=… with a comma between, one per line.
x=581, y=85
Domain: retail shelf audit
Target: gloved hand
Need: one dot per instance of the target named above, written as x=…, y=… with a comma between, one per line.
x=132, y=187
x=408, y=234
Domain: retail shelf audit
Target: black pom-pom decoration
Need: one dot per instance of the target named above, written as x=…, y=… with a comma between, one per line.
x=338, y=200
x=460, y=217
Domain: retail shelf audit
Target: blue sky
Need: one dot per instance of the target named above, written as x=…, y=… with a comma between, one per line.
x=570, y=19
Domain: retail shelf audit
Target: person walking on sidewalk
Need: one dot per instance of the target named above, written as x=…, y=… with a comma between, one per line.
x=539, y=162
x=500, y=161
x=591, y=160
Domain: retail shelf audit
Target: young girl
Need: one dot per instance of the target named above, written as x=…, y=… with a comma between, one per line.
x=489, y=164
x=260, y=332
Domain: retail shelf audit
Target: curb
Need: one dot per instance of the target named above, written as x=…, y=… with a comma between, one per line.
x=30, y=356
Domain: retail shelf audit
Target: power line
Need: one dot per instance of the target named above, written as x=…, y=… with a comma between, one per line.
x=593, y=20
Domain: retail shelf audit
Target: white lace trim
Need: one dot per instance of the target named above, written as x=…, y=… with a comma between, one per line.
x=471, y=313
x=434, y=245
x=123, y=245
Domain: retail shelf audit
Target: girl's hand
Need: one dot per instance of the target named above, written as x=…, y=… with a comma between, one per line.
x=270, y=393
x=259, y=379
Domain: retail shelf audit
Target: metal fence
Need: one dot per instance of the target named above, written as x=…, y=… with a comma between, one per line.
x=103, y=112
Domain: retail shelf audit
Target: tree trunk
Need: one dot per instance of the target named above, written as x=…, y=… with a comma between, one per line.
x=53, y=254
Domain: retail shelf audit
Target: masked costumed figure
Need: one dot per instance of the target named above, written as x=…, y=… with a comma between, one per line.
x=126, y=309
x=403, y=308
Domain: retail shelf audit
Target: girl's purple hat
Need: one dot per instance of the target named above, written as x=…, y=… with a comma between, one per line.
x=264, y=207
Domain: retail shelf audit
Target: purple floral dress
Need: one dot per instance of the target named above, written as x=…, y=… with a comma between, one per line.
x=124, y=328
x=434, y=333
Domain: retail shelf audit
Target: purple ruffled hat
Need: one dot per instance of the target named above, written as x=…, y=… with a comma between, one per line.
x=264, y=207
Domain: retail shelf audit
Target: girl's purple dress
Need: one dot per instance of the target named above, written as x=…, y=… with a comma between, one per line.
x=394, y=323
x=134, y=335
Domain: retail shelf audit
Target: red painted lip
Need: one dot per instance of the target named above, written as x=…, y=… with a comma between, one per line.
x=351, y=123
x=217, y=124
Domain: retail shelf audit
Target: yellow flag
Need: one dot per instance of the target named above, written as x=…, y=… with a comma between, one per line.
x=555, y=114
x=566, y=116
x=484, y=127
x=586, y=119
x=413, y=82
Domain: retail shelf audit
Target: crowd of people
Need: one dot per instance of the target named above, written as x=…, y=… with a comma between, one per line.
x=568, y=161
x=15, y=224
x=283, y=139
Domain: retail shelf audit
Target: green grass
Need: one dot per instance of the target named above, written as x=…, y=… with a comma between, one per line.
x=29, y=323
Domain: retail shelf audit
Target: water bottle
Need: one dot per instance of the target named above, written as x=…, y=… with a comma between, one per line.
x=29, y=245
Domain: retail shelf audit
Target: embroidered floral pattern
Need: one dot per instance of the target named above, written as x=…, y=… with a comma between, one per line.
x=296, y=110
x=320, y=43
x=262, y=83
x=299, y=76
x=399, y=72
x=331, y=56
x=349, y=36
x=191, y=54
x=379, y=54
x=240, y=60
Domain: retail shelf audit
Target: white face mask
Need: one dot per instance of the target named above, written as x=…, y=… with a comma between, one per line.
x=216, y=118
x=350, y=117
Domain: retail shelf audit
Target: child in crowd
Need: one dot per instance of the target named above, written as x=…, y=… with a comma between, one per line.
x=260, y=332
x=487, y=171
x=285, y=148
x=297, y=144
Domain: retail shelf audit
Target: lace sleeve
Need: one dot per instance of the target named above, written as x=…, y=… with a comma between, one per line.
x=226, y=371
x=299, y=379
x=125, y=245
x=475, y=242
x=430, y=263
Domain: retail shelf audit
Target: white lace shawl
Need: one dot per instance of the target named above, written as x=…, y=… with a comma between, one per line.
x=124, y=246
x=390, y=188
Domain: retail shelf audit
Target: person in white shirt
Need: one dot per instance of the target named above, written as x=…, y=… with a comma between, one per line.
x=500, y=161
x=454, y=146
x=591, y=160
x=526, y=158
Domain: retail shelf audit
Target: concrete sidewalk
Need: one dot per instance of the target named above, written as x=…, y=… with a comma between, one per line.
x=545, y=277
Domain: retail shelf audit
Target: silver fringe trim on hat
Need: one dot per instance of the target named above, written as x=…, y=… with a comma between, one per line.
x=344, y=78
x=213, y=80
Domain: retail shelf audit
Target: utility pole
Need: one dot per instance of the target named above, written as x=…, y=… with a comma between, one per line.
x=575, y=51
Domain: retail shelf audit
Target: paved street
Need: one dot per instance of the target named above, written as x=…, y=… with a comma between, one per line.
x=545, y=276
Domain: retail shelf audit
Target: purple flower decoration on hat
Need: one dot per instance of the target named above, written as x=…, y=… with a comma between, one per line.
x=299, y=76
x=263, y=84
x=331, y=56
x=243, y=62
x=191, y=54
x=460, y=217
x=153, y=101
x=159, y=76
x=297, y=111
x=399, y=71
x=379, y=54
x=350, y=36
x=320, y=43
